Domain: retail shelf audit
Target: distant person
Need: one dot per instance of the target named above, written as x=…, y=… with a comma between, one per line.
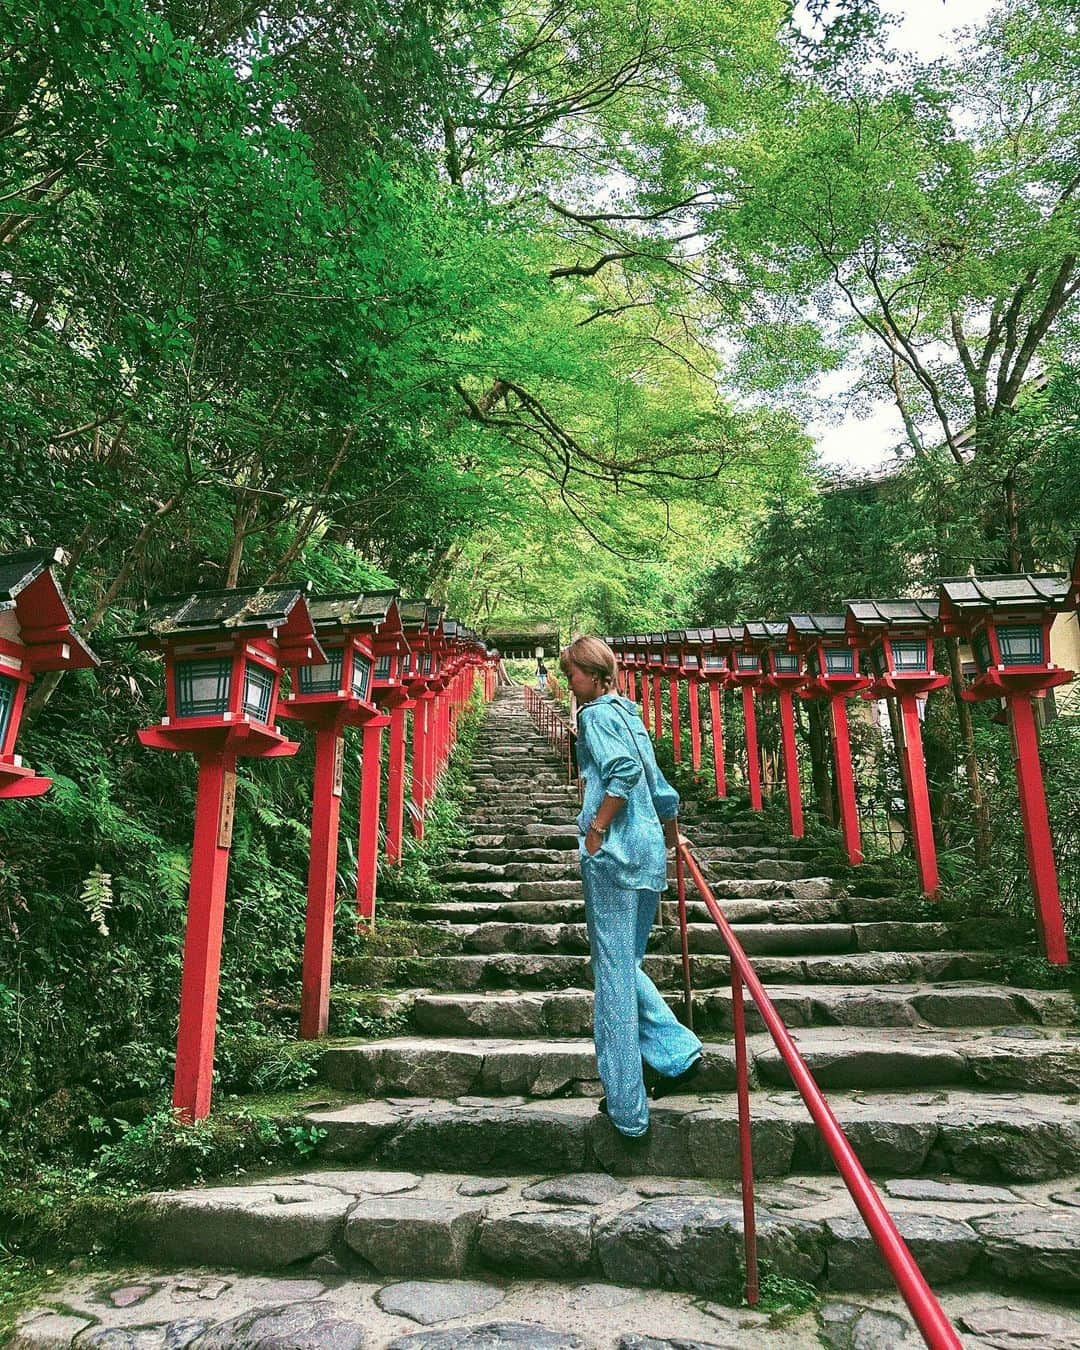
x=502, y=675
x=628, y=820
x=541, y=675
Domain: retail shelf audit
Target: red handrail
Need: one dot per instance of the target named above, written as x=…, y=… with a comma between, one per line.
x=936, y=1330
x=553, y=725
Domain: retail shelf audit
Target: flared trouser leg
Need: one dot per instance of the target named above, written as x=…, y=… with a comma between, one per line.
x=630, y=1019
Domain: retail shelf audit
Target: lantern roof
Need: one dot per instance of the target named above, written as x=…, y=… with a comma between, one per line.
x=343, y=612
x=1009, y=592
x=765, y=633
x=726, y=633
x=874, y=616
x=698, y=635
x=677, y=635
x=28, y=586
x=19, y=570
x=814, y=627
x=416, y=613
x=274, y=610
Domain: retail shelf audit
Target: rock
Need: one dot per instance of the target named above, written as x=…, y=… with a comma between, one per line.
x=584, y=1188
x=653, y=1343
x=491, y=1336
x=502, y=1139
x=483, y=1186
x=539, y=1242
x=651, y=1187
x=1027, y=1147
x=366, y=1183
x=403, y=1067
x=696, y=1244
x=1006, y=1326
x=253, y=1227
x=412, y=1234
x=955, y=1192
x=1027, y=1068
x=430, y=1301
x=292, y=1326
x=944, y=1248
x=1033, y=1245
x=130, y=1294
x=43, y=1329
x=328, y=1266
x=713, y=1145
x=846, y=1326
x=864, y=1063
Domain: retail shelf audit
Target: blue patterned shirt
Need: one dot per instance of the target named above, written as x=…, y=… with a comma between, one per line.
x=615, y=758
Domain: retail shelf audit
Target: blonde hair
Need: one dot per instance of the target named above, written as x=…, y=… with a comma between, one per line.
x=593, y=657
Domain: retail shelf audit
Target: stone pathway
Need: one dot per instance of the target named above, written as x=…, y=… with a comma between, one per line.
x=471, y=1188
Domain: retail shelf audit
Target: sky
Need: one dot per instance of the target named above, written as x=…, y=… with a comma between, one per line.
x=866, y=443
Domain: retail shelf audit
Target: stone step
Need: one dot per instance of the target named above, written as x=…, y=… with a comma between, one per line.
x=148, y=1306
x=838, y=908
x=569, y=1012
x=551, y=971
x=756, y=938
x=811, y=888
x=1044, y=1060
x=580, y=1225
x=996, y=1138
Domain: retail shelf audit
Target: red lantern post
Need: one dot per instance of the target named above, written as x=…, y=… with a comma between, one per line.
x=900, y=638
x=833, y=673
x=223, y=656
x=692, y=653
x=654, y=655
x=783, y=673
x=716, y=646
x=673, y=668
x=329, y=697
x=36, y=634
x=746, y=674
x=423, y=629
x=1007, y=620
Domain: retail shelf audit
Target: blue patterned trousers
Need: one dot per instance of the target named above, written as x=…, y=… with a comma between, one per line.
x=630, y=1019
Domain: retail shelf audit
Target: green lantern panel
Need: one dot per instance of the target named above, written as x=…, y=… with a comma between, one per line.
x=909, y=656
x=361, y=676
x=202, y=687
x=258, y=691
x=8, y=690
x=839, y=661
x=324, y=679
x=1021, y=644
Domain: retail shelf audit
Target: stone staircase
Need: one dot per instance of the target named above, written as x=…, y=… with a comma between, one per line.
x=469, y=1185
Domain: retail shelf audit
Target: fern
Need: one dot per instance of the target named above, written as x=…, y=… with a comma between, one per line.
x=97, y=896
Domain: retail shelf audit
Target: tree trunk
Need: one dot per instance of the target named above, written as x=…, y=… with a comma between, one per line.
x=820, y=757
x=971, y=758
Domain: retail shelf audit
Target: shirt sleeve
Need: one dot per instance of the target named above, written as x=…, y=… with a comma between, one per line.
x=664, y=798
x=609, y=749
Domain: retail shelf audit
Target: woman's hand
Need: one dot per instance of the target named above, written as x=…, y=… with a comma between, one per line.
x=672, y=837
x=594, y=841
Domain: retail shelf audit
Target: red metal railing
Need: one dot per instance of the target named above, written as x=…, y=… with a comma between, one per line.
x=925, y=1309
x=551, y=722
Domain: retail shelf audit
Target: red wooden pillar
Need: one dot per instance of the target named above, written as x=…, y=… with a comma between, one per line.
x=716, y=710
x=322, y=876
x=695, y=726
x=367, y=848
x=631, y=684
x=214, y=803
x=791, y=761
x=1037, y=838
x=646, y=702
x=395, y=783
x=753, y=758
x=913, y=764
x=676, y=720
x=419, y=762
x=658, y=716
x=845, y=778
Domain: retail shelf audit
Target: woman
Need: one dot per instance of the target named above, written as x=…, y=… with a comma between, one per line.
x=628, y=820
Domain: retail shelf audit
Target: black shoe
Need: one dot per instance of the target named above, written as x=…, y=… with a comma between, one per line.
x=659, y=1085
